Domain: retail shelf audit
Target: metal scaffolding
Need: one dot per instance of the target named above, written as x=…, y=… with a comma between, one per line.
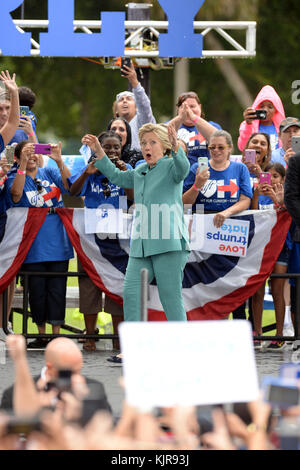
x=136, y=45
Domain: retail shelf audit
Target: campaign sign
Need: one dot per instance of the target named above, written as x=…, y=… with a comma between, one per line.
x=158, y=370
x=62, y=41
x=229, y=239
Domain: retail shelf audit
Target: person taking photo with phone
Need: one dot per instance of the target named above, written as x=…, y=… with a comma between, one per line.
x=32, y=186
x=289, y=128
x=224, y=187
x=265, y=115
x=135, y=105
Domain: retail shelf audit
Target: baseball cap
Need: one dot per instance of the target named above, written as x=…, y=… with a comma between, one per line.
x=288, y=122
x=125, y=93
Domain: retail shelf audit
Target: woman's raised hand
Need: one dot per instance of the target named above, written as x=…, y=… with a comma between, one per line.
x=173, y=137
x=94, y=144
x=201, y=177
x=10, y=82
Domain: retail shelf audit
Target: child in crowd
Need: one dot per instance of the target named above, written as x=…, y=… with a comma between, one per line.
x=265, y=197
x=267, y=100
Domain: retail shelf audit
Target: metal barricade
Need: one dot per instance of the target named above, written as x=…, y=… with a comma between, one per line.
x=143, y=309
x=74, y=335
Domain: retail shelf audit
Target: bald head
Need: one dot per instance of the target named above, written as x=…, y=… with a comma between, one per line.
x=63, y=353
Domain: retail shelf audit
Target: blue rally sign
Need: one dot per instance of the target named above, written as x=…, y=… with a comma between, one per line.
x=62, y=41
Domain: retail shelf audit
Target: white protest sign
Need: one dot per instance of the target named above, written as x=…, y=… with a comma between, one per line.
x=103, y=220
x=188, y=363
x=230, y=239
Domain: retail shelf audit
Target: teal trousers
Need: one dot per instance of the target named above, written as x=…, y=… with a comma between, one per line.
x=167, y=268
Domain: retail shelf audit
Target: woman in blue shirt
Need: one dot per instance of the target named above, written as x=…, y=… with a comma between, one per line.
x=224, y=187
x=32, y=186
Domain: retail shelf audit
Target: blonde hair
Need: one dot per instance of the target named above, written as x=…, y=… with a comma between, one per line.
x=161, y=131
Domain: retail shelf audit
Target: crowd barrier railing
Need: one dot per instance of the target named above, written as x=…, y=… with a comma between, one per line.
x=80, y=335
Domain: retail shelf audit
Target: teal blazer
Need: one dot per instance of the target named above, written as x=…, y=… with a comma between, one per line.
x=158, y=225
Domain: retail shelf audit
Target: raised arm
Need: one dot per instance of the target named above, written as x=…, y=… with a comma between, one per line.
x=64, y=171
x=143, y=104
x=10, y=127
x=124, y=179
x=181, y=163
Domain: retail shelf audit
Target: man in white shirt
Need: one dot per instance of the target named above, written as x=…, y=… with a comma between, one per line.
x=134, y=106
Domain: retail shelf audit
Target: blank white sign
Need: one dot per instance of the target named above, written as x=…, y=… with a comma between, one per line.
x=188, y=363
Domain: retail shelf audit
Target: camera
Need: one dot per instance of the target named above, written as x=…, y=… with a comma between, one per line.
x=261, y=114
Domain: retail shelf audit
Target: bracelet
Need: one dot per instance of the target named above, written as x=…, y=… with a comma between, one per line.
x=30, y=135
x=195, y=187
x=252, y=427
x=21, y=172
x=197, y=119
x=62, y=168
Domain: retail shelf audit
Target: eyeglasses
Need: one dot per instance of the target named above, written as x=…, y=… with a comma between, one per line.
x=217, y=147
x=106, y=188
x=38, y=184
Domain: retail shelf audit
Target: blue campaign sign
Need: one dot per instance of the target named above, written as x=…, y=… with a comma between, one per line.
x=180, y=40
x=11, y=41
x=62, y=41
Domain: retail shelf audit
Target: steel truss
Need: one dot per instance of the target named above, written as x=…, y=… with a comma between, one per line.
x=137, y=46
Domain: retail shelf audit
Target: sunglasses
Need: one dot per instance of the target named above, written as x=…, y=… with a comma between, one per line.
x=217, y=147
x=106, y=188
x=38, y=184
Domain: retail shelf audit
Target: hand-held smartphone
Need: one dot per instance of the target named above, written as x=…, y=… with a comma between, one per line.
x=9, y=154
x=202, y=163
x=125, y=61
x=261, y=114
x=296, y=143
x=250, y=156
x=43, y=149
x=265, y=178
x=24, y=110
x=281, y=392
x=23, y=425
x=63, y=382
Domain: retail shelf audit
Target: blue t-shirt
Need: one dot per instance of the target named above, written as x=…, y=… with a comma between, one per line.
x=20, y=134
x=94, y=187
x=196, y=143
x=223, y=189
x=271, y=131
x=278, y=156
x=265, y=203
x=51, y=242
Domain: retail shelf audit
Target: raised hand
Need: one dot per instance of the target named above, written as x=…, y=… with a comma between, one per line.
x=10, y=82
x=173, y=137
x=93, y=142
x=56, y=152
x=16, y=346
x=130, y=73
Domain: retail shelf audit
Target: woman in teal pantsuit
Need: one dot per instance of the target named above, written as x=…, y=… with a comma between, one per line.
x=159, y=239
